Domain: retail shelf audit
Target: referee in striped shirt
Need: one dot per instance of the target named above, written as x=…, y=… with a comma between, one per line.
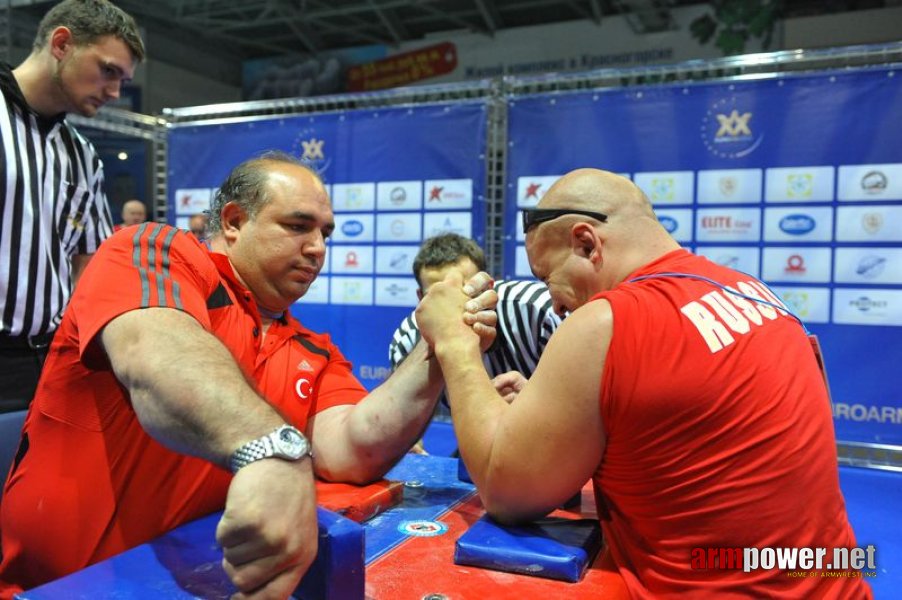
x=53, y=211
x=526, y=317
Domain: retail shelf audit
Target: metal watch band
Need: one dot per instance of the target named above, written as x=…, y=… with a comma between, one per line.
x=250, y=452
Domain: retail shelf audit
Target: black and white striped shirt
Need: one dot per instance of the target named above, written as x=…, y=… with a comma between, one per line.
x=52, y=206
x=526, y=320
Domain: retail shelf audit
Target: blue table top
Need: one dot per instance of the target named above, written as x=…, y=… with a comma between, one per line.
x=185, y=563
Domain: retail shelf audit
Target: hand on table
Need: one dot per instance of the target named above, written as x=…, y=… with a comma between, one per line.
x=268, y=531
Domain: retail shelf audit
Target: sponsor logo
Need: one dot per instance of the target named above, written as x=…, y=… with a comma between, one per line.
x=795, y=265
x=397, y=260
x=397, y=227
x=874, y=182
x=797, y=224
x=532, y=190
x=186, y=200
x=397, y=196
x=799, y=302
x=799, y=185
x=669, y=223
x=662, y=188
x=724, y=224
x=872, y=222
x=727, y=185
x=352, y=228
x=422, y=528
x=351, y=259
x=396, y=290
x=305, y=366
x=354, y=197
x=353, y=291
x=727, y=129
x=865, y=304
x=435, y=194
x=871, y=266
x=728, y=260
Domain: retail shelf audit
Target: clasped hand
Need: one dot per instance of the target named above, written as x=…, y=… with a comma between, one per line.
x=453, y=308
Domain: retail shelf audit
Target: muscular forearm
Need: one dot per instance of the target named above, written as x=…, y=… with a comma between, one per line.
x=186, y=388
x=476, y=407
x=367, y=439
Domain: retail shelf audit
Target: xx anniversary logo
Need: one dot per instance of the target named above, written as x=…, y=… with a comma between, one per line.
x=728, y=129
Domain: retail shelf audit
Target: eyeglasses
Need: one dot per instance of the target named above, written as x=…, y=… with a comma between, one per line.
x=534, y=216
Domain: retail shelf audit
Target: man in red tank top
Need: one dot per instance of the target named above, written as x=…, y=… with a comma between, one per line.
x=685, y=390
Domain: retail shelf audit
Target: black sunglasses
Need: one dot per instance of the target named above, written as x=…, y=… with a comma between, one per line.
x=534, y=216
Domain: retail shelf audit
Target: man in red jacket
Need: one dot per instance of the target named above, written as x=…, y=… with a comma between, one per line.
x=179, y=384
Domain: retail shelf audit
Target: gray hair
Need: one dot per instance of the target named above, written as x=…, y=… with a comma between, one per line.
x=246, y=186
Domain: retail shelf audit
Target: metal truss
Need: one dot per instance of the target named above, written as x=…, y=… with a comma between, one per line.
x=144, y=127
x=872, y=456
x=747, y=66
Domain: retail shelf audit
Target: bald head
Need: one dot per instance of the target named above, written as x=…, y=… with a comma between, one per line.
x=580, y=254
x=598, y=191
x=133, y=212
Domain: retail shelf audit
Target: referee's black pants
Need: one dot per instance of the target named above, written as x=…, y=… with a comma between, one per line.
x=21, y=360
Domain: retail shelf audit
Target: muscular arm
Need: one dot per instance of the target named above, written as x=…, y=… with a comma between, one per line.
x=190, y=395
x=185, y=386
x=360, y=443
x=529, y=456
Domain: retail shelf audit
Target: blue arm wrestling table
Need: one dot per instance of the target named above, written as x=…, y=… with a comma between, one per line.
x=405, y=552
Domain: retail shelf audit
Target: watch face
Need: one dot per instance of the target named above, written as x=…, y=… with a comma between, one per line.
x=292, y=442
x=290, y=436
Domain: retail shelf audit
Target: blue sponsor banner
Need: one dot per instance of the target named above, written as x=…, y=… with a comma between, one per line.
x=797, y=180
x=396, y=176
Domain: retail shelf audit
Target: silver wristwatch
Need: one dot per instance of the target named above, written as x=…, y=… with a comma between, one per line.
x=285, y=442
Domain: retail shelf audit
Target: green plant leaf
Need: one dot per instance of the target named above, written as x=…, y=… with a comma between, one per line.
x=703, y=28
x=731, y=42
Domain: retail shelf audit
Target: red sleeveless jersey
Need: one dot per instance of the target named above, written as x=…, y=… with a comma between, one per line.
x=719, y=436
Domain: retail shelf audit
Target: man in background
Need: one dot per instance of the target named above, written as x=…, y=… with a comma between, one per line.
x=51, y=186
x=190, y=370
x=197, y=225
x=526, y=318
x=133, y=213
x=687, y=391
